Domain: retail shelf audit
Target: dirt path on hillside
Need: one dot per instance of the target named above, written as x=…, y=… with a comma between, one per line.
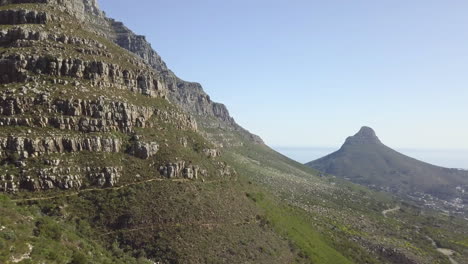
x=76, y=193
x=385, y=212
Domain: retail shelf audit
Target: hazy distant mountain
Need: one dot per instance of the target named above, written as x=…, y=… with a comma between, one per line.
x=364, y=159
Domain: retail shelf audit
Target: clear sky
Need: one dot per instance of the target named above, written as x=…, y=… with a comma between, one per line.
x=312, y=72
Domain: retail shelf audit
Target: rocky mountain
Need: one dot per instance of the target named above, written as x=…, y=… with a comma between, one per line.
x=106, y=156
x=364, y=159
x=103, y=143
x=187, y=95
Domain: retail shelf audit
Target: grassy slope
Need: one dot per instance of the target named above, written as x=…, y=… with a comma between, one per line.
x=295, y=225
x=45, y=239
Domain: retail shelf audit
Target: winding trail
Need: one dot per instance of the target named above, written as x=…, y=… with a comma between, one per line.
x=76, y=193
x=385, y=212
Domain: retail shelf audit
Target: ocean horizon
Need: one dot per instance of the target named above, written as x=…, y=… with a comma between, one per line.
x=449, y=158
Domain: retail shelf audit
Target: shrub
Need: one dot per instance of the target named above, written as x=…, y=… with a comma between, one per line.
x=78, y=258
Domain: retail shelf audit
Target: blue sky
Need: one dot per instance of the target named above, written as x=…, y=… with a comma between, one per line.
x=310, y=73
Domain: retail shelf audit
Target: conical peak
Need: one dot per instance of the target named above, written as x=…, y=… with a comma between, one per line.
x=366, y=132
x=365, y=135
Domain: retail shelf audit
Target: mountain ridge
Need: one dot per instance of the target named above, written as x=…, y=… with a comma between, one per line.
x=364, y=159
x=188, y=95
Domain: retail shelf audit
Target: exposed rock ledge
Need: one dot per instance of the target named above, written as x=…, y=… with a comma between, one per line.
x=21, y=16
x=32, y=147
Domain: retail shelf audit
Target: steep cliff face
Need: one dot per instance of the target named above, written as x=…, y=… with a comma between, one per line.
x=68, y=90
x=188, y=95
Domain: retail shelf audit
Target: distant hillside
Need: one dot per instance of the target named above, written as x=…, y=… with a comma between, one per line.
x=364, y=159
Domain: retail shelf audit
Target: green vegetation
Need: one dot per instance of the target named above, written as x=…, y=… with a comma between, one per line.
x=28, y=234
x=295, y=226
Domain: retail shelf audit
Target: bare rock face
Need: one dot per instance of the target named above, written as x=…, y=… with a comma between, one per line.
x=22, y=16
x=33, y=147
x=225, y=170
x=187, y=95
x=181, y=169
x=212, y=153
x=143, y=150
x=50, y=107
x=80, y=8
x=16, y=68
x=9, y=2
x=8, y=183
x=137, y=44
x=366, y=135
x=14, y=34
x=84, y=115
x=66, y=178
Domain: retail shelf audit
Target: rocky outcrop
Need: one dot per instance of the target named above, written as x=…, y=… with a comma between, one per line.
x=84, y=115
x=18, y=33
x=137, y=44
x=225, y=170
x=18, y=68
x=81, y=9
x=9, y=2
x=21, y=16
x=179, y=120
x=122, y=116
x=191, y=97
x=33, y=147
x=366, y=135
x=211, y=153
x=143, y=150
x=8, y=183
x=66, y=178
x=181, y=169
x=22, y=34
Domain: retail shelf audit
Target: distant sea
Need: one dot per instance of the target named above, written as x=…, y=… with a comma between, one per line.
x=449, y=158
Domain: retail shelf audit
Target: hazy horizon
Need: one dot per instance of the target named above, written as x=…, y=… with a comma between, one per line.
x=311, y=72
x=449, y=158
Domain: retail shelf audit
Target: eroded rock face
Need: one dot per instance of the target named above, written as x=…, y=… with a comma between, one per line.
x=25, y=37
x=189, y=96
x=225, y=170
x=9, y=183
x=66, y=178
x=137, y=44
x=143, y=150
x=212, y=153
x=32, y=147
x=22, y=16
x=84, y=115
x=18, y=68
x=47, y=71
x=181, y=169
x=8, y=2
